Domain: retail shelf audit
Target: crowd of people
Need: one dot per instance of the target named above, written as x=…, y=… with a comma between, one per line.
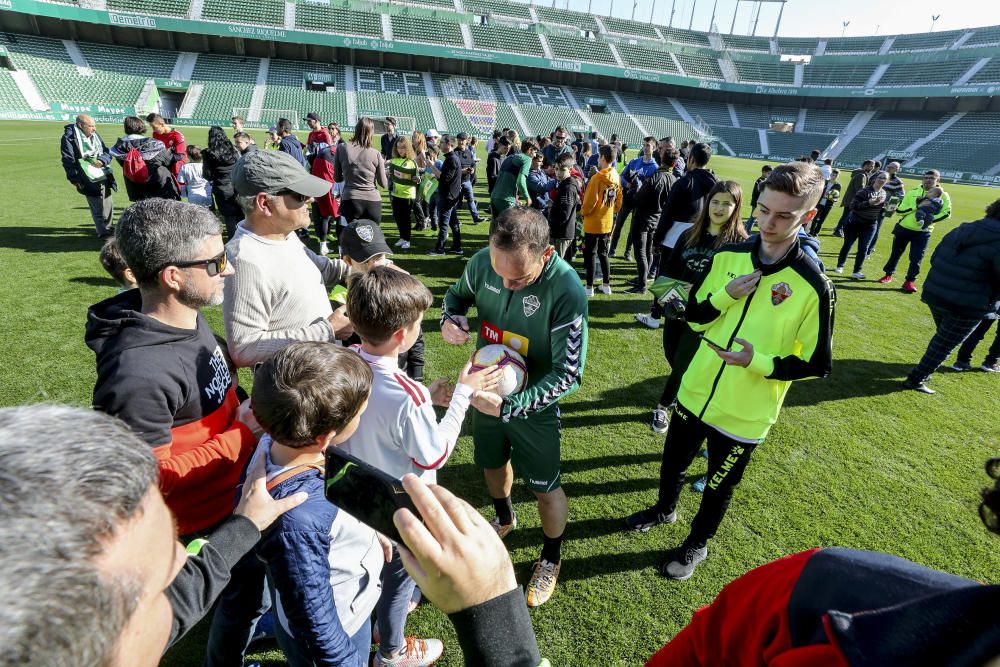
x=182, y=494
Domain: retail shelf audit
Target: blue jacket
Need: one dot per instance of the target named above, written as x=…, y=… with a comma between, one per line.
x=539, y=186
x=317, y=591
x=293, y=147
x=637, y=170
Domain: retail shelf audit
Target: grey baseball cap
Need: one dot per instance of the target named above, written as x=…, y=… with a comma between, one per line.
x=274, y=171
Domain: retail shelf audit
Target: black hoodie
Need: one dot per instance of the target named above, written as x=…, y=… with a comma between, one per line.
x=159, y=160
x=174, y=389
x=684, y=200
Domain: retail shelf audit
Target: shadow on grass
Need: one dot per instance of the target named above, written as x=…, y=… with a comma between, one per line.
x=95, y=281
x=50, y=239
x=851, y=378
x=577, y=569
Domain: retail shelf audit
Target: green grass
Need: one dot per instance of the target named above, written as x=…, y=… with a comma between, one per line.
x=853, y=460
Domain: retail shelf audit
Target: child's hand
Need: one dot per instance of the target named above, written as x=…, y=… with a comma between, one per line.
x=487, y=379
x=441, y=391
x=487, y=402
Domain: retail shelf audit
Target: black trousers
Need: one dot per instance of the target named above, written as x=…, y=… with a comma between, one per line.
x=628, y=205
x=817, y=223
x=359, y=209
x=727, y=459
x=401, y=214
x=596, y=244
x=642, y=249
x=679, y=347
x=976, y=337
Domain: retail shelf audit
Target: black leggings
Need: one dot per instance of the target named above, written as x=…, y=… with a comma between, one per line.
x=679, y=347
x=596, y=243
x=401, y=214
x=358, y=209
x=727, y=459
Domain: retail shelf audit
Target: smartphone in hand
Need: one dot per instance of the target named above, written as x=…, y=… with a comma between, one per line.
x=368, y=494
x=712, y=344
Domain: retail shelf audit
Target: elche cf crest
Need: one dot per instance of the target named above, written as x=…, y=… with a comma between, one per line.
x=779, y=293
x=531, y=304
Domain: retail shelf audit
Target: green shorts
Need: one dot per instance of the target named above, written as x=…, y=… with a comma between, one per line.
x=531, y=445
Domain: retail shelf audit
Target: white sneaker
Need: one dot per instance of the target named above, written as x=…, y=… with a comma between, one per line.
x=323, y=248
x=590, y=291
x=648, y=320
x=857, y=275
x=403, y=245
x=604, y=289
x=399, y=243
x=839, y=269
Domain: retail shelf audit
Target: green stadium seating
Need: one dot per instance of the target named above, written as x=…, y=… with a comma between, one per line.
x=854, y=45
x=228, y=83
x=972, y=144
x=825, y=121
x=747, y=43
x=166, y=7
x=552, y=15
x=983, y=37
x=11, y=98
x=799, y=47
x=491, y=39
x=941, y=73
x=323, y=18
x=637, y=56
x=414, y=29
x=761, y=117
x=713, y=113
x=866, y=148
x=791, y=145
x=542, y=120
x=741, y=140
x=286, y=90
x=665, y=127
x=506, y=118
x=265, y=12
x=582, y=94
x=580, y=48
x=436, y=4
x=925, y=41
x=685, y=36
x=647, y=105
x=776, y=72
x=627, y=27
x=851, y=75
x=988, y=74
x=512, y=9
x=617, y=123
x=700, y=66
x=903, y=125
x=394, y=104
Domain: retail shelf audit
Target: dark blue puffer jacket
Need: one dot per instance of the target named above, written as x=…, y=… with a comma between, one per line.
x=965, y=270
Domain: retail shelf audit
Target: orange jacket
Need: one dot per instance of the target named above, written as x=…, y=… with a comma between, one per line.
x=601, y=202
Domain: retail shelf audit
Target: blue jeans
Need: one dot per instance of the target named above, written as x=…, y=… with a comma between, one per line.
x=861, y=231
x=447, y=217
x=902, y=237
x=878, y=228
x=242, y=603
x=397, y=590
x=469, y=196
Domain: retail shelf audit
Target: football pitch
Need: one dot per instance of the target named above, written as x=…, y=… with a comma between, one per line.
x=853, y=461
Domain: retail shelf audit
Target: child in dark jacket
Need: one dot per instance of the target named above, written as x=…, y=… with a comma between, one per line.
x=565, y=206
x=323, y=564
x=929, y=206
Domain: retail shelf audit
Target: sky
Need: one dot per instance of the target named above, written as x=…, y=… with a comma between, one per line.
x=803, y=18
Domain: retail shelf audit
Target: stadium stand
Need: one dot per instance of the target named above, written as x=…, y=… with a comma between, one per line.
x=776, y=72
x=846, y=45
x=285, y=90
x=853, y=75
x=542, y=120
x=646, y=105
x=324, y=18
x=928, y=74
x=405, y=28
x=990, y=73
x=747, y=43
x=742, y=140
x=264, y=12
x=689, y=37
x=712, y=113
x=699, y=65
x=925, y=41
x=578, y=48
x=491, y=39
x=228, y=82
x=165, y=7
x=11, y=98
x=826, y=121
x=500, y=8
x=794, y=46
x=637, y=56
x=626, y=27
x=576, y=19
x=983, y=37
x=762, y=116
x=792, y=145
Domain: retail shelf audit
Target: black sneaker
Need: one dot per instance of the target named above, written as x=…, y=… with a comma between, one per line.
x=476, y=221
x=961, y=366
x=636, y=290
x=635, y=282
x=661, y=420
x=643, y=520
x=682, y=562
x=456, y=251
x=917, y=386
x=435, y=251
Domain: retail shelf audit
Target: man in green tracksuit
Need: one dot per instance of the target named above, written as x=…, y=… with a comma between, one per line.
x=512, y=181
x=529, y=299
x=765, y=313
x=910, y=232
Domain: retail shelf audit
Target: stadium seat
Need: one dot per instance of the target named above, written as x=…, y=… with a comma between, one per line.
x=165, y=7
x=265, y=12
x=513, y=10
x=323, y=18
x=424, y=30
x=699, y=65
x=580, y=48
x=11, y=98
x=926, y=74
x=925, y=41
x=797, y=46
x=824, y=75
x=491, y=39
x=988, y=74
x=286, y=90
x=825, y=121
x=854, y=44
x=775, y=72
x=747, y=43
x=635, y=55
x=626, y=27
x=989, y=36
x=576, y=19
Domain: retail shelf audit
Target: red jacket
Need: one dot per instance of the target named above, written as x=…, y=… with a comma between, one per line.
x=322, y=167
x=177, y=144
x=837, y=607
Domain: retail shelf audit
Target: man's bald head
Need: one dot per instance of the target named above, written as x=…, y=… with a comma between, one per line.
x=86, y=124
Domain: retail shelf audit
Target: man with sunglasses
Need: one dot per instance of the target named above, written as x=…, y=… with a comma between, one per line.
x=279, y=293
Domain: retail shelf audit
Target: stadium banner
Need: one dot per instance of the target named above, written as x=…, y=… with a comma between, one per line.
x=171, y=84
x=94, y=109
x=183, y=25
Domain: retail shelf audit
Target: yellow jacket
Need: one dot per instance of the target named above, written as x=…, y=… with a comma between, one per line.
x=601, y=202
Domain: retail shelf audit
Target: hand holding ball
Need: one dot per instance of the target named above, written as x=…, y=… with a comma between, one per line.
x=512, y=365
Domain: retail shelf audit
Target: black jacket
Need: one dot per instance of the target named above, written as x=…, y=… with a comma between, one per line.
x=159, y=159
x=493, y=161
x=450, y=181
x=387, y=143
x=562, y=215
x=684, y=201
x=652, y=198
x=217, y=170
x=468, y=160
x=70, y=149
x=965, y=270
x=859, y=179
x=755, y=194
x=862, y=207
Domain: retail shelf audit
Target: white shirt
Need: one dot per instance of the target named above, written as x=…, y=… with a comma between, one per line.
x=197, y=189
x=399, y=431
x=826, y=170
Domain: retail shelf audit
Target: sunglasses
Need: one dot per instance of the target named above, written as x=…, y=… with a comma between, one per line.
x=990, y=498
x=213, y=266
x=300, y=198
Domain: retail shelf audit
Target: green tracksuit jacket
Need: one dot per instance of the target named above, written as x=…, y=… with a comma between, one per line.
x=546, y=322
x=789, y=321
x=512, y=182
x=908, y=209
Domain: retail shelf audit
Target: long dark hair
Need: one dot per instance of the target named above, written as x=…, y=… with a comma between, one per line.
x=220, y=146
x=733, y=231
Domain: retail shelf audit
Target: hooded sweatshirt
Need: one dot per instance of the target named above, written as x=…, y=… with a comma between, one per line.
x=684, y=201
x=159, y=160
x=174, y=390
x=601, y=201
